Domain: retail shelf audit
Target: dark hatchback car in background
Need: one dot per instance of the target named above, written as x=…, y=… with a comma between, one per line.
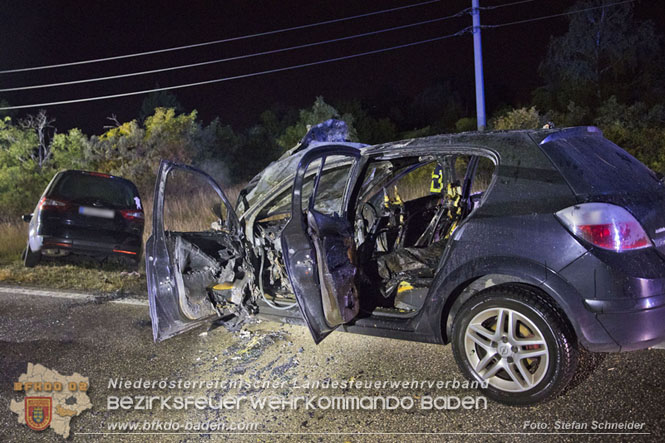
x=86, y=213
x=519, y=248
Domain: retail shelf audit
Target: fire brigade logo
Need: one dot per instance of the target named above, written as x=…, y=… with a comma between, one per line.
x=51, y=399
x=38, y=412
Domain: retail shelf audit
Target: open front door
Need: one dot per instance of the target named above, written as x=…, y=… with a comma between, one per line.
x=318, y=246
x=195, y=246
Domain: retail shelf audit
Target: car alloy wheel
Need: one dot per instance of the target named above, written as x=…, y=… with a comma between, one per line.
x=506, y=349
x=517, y=342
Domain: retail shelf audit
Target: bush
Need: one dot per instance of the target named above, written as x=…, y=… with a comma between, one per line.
x=466, y=124
x=636, y=128
x=521, y=118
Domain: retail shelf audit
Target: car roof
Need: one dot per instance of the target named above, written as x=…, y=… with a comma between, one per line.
x=495, y=140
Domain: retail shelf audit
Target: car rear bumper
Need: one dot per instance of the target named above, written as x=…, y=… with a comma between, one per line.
x=637, y=329
x=90, y=247
x=626, y=294
x=86, y=240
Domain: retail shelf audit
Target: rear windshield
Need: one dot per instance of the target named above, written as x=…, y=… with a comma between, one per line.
x=593, y=165
x=88, y=189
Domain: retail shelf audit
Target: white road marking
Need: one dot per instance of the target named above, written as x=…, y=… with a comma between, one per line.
x=45, y=293
x=69, y=295
x=130, y=301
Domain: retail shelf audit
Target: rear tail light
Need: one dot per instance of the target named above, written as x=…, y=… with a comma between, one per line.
x=606, y=226
x=121, y=251
x=50, y=203
x=132, y=215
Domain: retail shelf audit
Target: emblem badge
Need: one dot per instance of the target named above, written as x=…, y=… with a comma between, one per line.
x=38, y=412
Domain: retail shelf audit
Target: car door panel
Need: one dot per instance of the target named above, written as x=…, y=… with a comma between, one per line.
x=182, y=266
x=335, y=258
x=319, y=255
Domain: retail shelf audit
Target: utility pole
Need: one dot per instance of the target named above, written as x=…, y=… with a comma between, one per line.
x=478, y=64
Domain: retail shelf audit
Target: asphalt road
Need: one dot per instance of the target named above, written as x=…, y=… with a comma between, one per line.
x=104, y=340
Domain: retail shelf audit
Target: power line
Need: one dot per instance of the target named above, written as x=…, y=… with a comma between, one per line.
x=253, y=74
x=545, y=17
x=487, y=8
x=214, y=42
x=238, y=57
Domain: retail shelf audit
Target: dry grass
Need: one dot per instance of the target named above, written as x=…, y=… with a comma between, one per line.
x=188, y=211
x=86, y=277
x=13, y=238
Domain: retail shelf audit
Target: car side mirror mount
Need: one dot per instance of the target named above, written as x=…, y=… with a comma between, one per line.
x=26, y=217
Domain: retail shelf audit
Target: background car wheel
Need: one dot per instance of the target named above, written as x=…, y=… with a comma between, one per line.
x=518, y=342
x=31, y=259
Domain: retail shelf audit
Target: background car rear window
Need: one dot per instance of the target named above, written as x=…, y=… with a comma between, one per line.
x=593, y=165
x=87, y=189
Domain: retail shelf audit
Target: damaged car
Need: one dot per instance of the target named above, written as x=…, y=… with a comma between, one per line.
x=519, y=248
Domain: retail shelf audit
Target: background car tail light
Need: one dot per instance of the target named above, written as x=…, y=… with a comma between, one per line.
x=605, y=225
x=132, y=215
x=50, y=204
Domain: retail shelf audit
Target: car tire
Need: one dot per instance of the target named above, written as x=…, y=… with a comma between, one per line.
x=529, y=358
x=30, y=258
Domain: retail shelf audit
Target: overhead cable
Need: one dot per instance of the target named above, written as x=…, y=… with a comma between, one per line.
x=215, y=42
x=228, y=59
x=545, y=17
x=236, y=77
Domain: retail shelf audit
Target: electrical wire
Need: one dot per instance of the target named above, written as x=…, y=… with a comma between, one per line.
x=238, y=57
x=545, y=17
x=236, y=77
x=489, y=8
x=215, y=42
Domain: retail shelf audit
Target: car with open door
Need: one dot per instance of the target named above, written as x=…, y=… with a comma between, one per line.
x=519, y=248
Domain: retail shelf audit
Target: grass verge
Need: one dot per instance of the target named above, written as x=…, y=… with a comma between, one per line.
x=106, y=278
x=13, y=237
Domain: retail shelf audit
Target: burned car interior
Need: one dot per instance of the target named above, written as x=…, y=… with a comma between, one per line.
x=401, y=212
x=406, y=210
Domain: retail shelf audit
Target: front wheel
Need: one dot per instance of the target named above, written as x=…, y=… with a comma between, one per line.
x=518, y=343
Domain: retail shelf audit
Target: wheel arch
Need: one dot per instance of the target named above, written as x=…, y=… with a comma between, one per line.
x=463, y=284
x=486, y=282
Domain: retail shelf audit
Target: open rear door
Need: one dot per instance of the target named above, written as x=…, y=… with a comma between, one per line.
x=200, y=248
x=318, y=246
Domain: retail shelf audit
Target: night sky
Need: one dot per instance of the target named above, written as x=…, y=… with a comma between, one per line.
x=40, y=32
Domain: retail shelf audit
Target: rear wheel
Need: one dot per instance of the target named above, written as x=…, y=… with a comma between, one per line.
x=30, y=258
x=517, y=342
